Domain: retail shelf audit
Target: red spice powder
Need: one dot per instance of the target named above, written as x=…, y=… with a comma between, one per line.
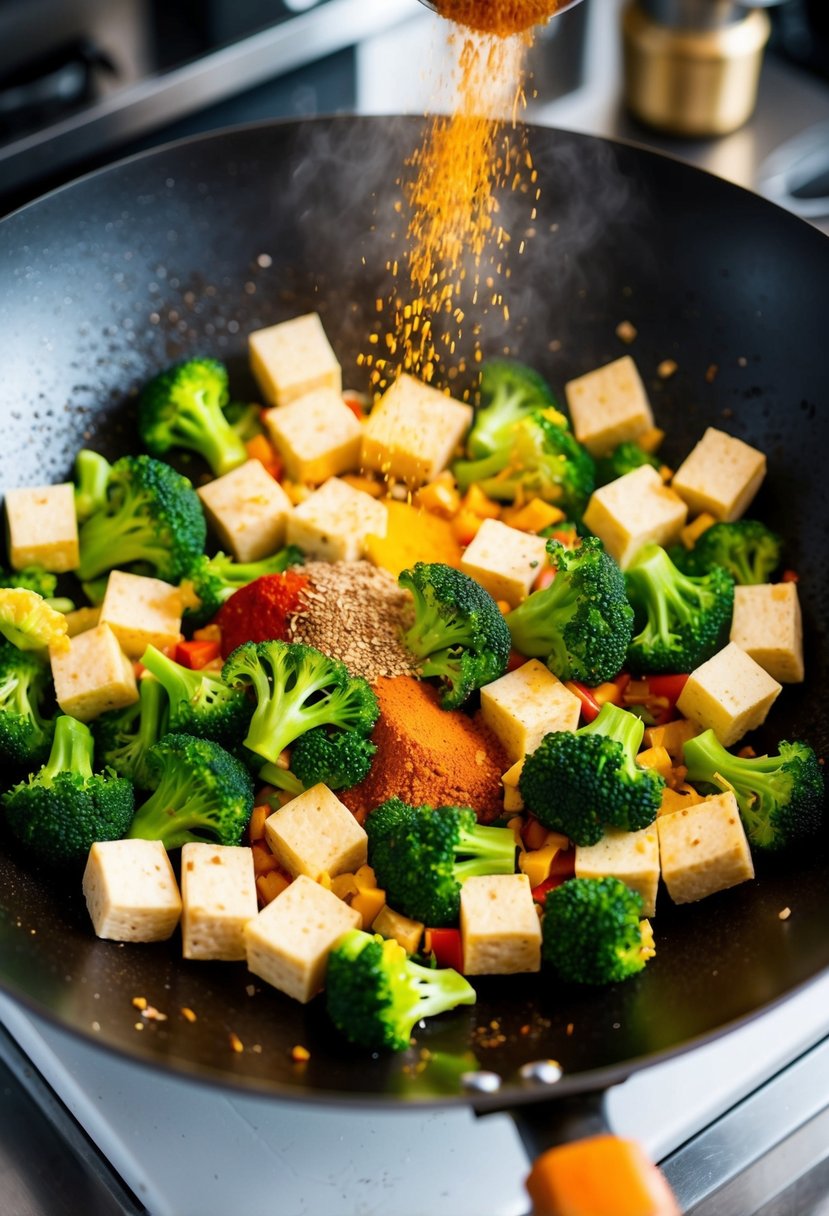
x=260, y=611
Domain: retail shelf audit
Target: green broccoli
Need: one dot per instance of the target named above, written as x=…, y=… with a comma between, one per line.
x=340, y=758
x=124, y=736
x=575, y=782
x=91, y=477
x=200, y=792
x=27, y=621
x=623, y=459
x=31, y=578
x=375, y=994
x=582, y=623
x=593, y=931
x=244, y=420
x=416, y=854
x=297, y=688
x=538, y=458
x=780, y=797
x=25, y=728
x=200, y=703
x=746, y=548
x=182, y=408
x=151, y=515
x=509, y=392
x=64, y=808
x=216, y=578
x=458, y=633
x=679, y=620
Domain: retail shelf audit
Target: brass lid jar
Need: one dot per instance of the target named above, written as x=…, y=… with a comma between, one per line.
x=692, y=66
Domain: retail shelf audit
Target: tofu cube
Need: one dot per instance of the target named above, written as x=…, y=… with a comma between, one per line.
x=768, y=626
x=141, y=612
x=218, y=894
x=500, y=929
x=405, y=931
x=316, y=834
x=93, y=675
x=632, y=857
x=703, y=849
x=43, y=528
x=247, y=510
x=288, y=943
x=608, y=406
x=504, y=561
x=413, y=431
x=332, y=524
x=131, y=891
x=317, y=436
x=730, y=693
x=634, y=509
x=523, y=706
x=293, y=358
x=720, y=475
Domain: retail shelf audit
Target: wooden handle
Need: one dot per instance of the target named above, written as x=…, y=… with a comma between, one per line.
x=600, y=1176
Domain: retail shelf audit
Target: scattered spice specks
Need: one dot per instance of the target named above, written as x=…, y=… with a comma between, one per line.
x=784, y=913
x=300, y=1054
x=236, y=1043
x=187, y=1014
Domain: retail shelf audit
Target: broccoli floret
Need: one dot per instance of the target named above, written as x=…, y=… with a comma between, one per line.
x=679, y=619
x=297, y=688
x=422, y=855
x=216, y=578
x=582, y=623
x=151, y=514
x=200, y=792
x=746, y=548
x=61, y=811
x=25, y=729
x=200, y=704
x=28, y=622
x=375, y=994
x=623, y=459
x=340, y=758
x=124, y=736
x=182, y=408
x=31, y=578
x=575, y=782
x=458, y=633
x=244, y=420
x=509, y=392
x=593, y=932
x=538, y=458
x=91, y=477
x=780, y=797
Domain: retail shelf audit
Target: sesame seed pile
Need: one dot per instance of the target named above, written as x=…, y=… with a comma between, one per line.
x=354, y=612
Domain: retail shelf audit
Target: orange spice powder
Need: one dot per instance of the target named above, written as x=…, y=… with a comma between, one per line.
x=501, y=17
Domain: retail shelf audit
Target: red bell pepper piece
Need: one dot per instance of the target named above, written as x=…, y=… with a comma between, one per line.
x=563, y=867
x=656, y=696
x=357, y=404
x=589, y=705
x=196, y=655
x=447, y=947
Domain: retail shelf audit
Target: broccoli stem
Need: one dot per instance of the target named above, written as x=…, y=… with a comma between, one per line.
x=116, y=540
x=153, y=702
x=281, y=778
x=759, y=783
x=469, y=471
x=72, y=750
x=180, y=683
x=203, y=427
x=91, y=474
x=619, y=724
x=491, y=851
x=670, y=595
x=280, y=716
x=173, y=814
x=432, y=631
x=537, y=625
x=437, y=990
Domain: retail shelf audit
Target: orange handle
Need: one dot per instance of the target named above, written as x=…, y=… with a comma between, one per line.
x=600, y=1176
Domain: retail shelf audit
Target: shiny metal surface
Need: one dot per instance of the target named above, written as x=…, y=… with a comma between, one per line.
x=561, y=7
x=701, y=14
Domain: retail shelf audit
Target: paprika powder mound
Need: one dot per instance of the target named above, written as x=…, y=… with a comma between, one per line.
x=429, y=756
x=259, y=612
x=500, y=17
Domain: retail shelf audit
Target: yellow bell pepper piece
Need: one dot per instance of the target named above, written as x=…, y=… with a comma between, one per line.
x=369, y=904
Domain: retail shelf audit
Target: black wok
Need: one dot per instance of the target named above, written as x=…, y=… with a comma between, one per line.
x=187, y=249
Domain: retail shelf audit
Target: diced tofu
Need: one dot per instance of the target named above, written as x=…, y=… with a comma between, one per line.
x=768, y=626
x=609, y=406
x=93, y=675
x=317, y=436
x=634, y=509
x=730, y=694
x=504, y=561
x=42, y=527
x=247, y=510
x=632, y=857
x=500, y=930
x=288, y=943
x=218, y=892
x=703, y=849
x=525, y=705
x=131, y=891
x=315, y=834
x=402, y=929
x=293, y=358
x=141, y=612
x=413, y=431
x=332, y=523
x=721, y=475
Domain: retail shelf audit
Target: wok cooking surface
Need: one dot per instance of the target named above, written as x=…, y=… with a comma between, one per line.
x=189, y=248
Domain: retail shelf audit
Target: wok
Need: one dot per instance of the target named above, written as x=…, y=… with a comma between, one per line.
x=189, y=247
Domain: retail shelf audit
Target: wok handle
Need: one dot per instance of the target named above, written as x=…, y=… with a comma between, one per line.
x=589, y=1171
